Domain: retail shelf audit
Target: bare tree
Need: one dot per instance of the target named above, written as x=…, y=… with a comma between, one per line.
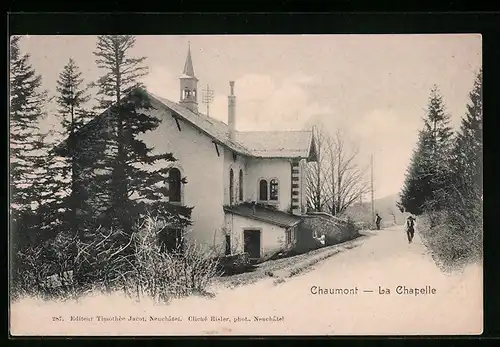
x=315, y=180
x=335, y=181
x=346, y=179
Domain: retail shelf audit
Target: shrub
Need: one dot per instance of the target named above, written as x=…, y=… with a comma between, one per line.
x=66, y=266
x=454, y=239
x=234, y=264
x=29, y=276
x=107, y=260
x=161, y=275
x=103, y=259
x=352, y=227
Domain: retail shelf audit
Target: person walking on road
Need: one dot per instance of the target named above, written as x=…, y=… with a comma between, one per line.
x=378, y=219
x=410, y=228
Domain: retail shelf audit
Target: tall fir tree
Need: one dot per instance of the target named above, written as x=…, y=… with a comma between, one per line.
x=465, y=189
x=428, y=174
x=27, y=102
x=31, y=182
x=136, y=175
x=439, y=151
x=72, y=99
x=468, y=147
x=412, y=196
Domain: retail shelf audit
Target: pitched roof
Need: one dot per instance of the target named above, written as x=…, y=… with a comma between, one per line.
x=264, y=214
x=215, y=129
x=260, y=144
x=271, y=144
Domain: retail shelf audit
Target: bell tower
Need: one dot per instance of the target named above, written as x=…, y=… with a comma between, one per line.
x=188, y=85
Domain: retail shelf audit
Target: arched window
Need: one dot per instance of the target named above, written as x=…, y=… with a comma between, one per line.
x=273, y=189
x=241, y=185
x=174, y=185
x=263, y=190
x=231, y=186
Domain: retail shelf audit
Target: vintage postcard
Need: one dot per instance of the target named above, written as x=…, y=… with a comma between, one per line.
x=246, y=185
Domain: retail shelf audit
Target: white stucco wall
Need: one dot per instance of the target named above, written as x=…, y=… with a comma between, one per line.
x=268, y=169
x=272, y=237
x=198, y=161
x=239, y=164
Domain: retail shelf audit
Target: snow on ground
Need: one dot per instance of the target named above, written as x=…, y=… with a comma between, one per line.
x=384, y=261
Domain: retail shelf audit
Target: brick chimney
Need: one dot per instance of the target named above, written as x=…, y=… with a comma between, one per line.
x=231, y=114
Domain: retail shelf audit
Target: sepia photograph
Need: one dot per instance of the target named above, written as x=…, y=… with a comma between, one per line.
x=257, y=185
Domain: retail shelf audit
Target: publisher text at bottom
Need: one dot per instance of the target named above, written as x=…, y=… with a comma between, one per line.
x=238, y=319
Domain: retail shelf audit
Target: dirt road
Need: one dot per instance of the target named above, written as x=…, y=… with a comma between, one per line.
x=367, y=283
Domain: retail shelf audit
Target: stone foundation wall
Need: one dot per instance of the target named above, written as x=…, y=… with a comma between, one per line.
x=335, y=230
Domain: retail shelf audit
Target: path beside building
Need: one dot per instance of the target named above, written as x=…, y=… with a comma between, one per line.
x=382, y=263
x=283, y=268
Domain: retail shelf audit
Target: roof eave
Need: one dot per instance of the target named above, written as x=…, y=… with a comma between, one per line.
x=215, y=139
x=228, y=210
x=299, y=157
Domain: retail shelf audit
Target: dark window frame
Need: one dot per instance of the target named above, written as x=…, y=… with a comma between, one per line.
x=231, y=186
x=263, y=190
x=241, y=185
x=175, y=185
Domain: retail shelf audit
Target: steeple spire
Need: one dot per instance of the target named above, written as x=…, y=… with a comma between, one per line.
x=188, y=65
x=188, y=85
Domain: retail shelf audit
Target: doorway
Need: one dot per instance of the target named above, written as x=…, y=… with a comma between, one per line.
x=252, y=243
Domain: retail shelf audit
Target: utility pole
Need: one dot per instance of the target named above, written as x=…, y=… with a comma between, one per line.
x=373, y=205
x=208, y=97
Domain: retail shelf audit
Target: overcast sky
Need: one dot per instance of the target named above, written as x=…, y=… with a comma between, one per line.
x=374, y=87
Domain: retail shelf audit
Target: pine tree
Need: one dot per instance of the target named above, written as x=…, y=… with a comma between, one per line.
x=414, y=194
x=429, y=171
x=468, y=147
x=440, y=150
x=73, y=96
x=30, y=180
x=71, y=101
x=465, y=189
x=133, y=186
x=26, y=141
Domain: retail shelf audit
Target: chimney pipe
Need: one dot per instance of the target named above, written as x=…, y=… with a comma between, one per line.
x=231, y=105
